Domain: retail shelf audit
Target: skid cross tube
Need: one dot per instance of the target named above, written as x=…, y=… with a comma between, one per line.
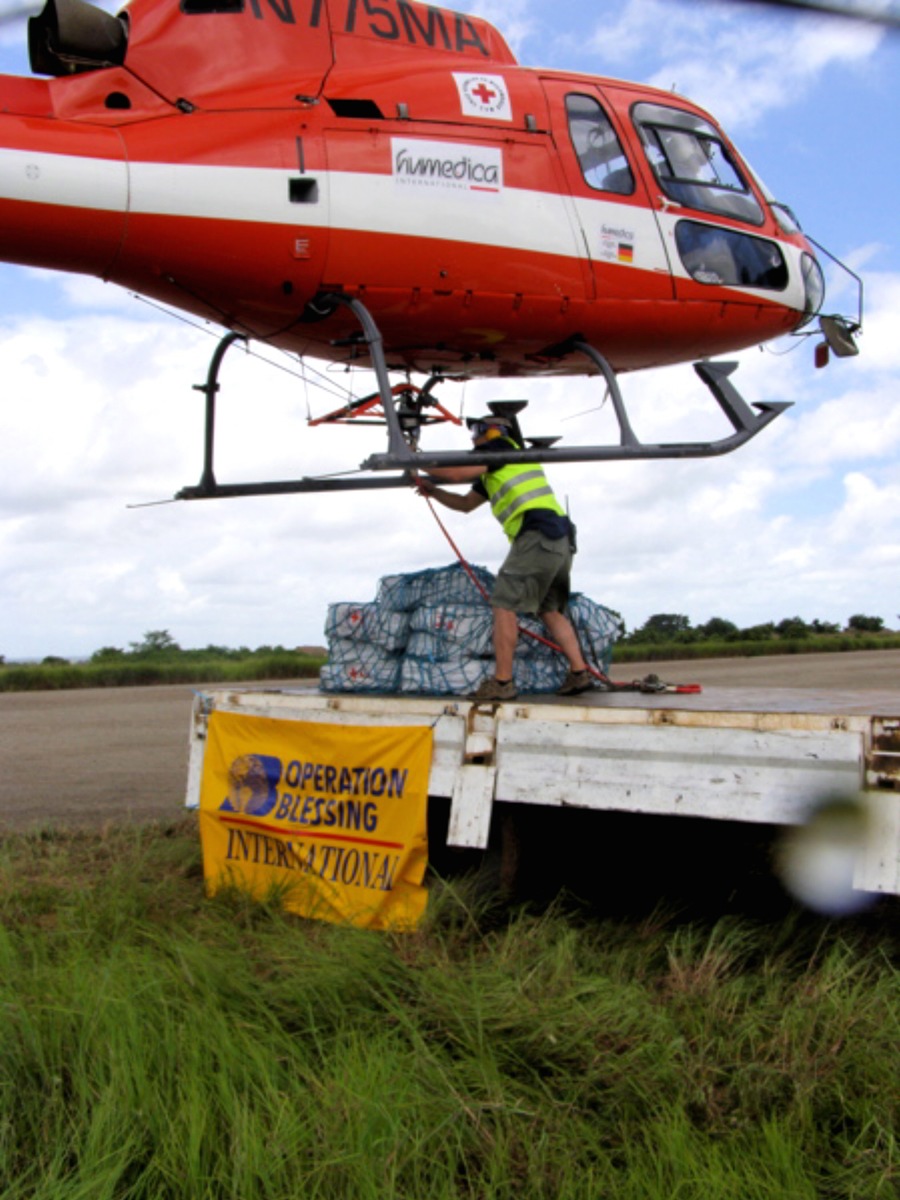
x=398, y=450
x=626, y=432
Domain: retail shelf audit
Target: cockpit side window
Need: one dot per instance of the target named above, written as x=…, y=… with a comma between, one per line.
x=729, y=258
x=600, y=154
x=692, y=164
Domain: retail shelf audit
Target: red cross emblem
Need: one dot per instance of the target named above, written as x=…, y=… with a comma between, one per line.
x=483, y=96
x=484, y=93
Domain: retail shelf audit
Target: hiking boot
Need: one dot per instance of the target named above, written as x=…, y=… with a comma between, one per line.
x=575, y=683
x=493, y=689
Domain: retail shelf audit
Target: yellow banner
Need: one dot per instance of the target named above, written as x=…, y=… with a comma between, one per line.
x=332, y=816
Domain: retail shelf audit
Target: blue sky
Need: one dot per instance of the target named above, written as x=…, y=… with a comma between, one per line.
x=97, y=410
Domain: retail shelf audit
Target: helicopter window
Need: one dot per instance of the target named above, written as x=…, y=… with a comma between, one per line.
x=729, y=258
x=599, y=151
x=692, y=163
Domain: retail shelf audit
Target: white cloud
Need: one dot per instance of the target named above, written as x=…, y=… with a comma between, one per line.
x=512, y=18
x=870, y=514
x=739, y=62
x=742, y=78
x=82, y=292
x=879, y=342
x=856, y=426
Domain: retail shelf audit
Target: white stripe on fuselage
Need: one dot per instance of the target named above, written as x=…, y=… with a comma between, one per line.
x=511, y=218
x=66, y=179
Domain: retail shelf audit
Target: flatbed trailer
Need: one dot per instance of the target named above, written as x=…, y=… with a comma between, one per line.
x=764, y=757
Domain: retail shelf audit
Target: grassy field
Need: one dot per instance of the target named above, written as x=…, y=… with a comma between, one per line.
x=132, y=671
x=155, y=1044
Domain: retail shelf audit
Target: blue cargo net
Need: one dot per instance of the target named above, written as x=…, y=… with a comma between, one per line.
x=430, y=633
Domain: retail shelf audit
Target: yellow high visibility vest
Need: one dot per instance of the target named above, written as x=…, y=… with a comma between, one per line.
x=516, y=488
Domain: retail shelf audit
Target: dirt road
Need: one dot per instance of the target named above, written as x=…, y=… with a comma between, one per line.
x=82, y=758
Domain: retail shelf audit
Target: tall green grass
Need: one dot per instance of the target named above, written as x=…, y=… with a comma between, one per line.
x=155, y=1044
x=135, y=672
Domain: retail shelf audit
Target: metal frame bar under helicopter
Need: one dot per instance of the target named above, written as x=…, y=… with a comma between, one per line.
x=404, y=460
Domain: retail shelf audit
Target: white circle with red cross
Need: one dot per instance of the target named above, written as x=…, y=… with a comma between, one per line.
x=483, y=96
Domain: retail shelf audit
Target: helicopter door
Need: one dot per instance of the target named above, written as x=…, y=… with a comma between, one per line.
x=620, y=229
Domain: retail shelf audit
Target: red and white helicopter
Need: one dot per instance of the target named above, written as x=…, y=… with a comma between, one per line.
x=380, y=183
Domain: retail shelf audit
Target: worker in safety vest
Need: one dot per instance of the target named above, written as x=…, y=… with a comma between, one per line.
x=534, y=577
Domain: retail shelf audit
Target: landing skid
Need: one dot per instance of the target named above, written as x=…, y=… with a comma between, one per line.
x=393, y=468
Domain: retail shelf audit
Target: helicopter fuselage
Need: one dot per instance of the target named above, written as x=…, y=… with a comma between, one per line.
x=244, y=161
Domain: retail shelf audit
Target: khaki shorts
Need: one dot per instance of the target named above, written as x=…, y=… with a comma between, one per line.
x=534, y=577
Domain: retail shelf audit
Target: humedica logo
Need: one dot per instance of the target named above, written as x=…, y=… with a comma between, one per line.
x=447, y=165
x=253, y=785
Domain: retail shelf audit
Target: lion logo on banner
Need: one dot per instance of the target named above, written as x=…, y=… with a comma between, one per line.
x=253, y=785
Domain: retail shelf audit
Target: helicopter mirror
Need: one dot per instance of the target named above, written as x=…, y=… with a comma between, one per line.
x=839, y=336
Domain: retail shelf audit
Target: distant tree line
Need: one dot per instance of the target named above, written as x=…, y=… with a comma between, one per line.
x=159, y=643
x=157, y=658
x=675, y=627
x=158, y=646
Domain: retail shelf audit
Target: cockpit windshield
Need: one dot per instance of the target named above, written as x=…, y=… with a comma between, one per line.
x=692, y=164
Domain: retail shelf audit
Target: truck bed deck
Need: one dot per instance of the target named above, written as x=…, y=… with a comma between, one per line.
x=722, y=699
x=756, y=755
